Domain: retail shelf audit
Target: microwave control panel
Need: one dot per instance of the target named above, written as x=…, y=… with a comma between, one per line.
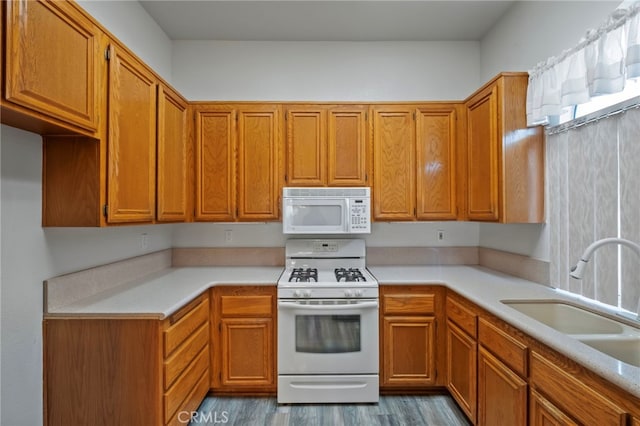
x=359, y=212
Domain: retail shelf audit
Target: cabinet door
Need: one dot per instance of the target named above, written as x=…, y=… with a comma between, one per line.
x=306, y=146
x=393, y=159
x=215, y=132
x=173, y=157
x=347, y=146
x=436, y=138
x=131, y=140
x=462, y=369
x=247, y=352
x=502, y=394
x=543, y=413
x=409, y=352
x=483, y=150
x=52, y=61
x=259, y=181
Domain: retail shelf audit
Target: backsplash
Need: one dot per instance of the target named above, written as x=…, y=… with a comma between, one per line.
x=66, y=289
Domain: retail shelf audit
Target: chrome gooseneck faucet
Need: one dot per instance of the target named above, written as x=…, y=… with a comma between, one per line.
x=577, y=271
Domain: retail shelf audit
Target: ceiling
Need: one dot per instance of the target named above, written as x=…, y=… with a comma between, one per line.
x=326, y=20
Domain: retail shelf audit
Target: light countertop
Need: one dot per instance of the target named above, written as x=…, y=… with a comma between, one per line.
x=487, y=288
x=159, y=295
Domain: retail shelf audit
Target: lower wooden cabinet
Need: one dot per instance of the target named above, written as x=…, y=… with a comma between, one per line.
x=572, y=397
x=542, y=412
x=410, y=347
x=107, y=371
x=502, y=394
x=244, y=324
x=462, y=369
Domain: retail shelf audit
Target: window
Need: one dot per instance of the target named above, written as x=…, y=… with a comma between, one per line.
x=593, y=182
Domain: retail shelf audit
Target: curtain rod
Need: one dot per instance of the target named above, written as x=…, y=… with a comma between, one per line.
x=595, y=116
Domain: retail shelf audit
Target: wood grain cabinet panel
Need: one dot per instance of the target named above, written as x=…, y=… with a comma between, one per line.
x=326, y=145
x=259, y=171
x=244, y=327
x=215, y=134
x=131, y=140
x=306, y=145
x=462, y=373
x=174, y=166
x=409, y=353
x=436, y=156
x=505, y=159
x=238, y=162
x=571, y=395
x=53, y=61
x=347, y=146
x=394, y=149
x=410, y=348
x=543, y=413
x=105, y=371
x=502, y=394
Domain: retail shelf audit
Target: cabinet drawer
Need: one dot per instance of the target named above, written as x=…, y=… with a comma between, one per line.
x=462, y=317
x=178, y=393
x=184, y=322
x=243, y=305
x=182, y=357
x=191, y=403
x=506, y=348
x=409, y=303
x=572, y=396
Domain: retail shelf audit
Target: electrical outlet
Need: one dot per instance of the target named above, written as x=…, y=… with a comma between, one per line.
x=144, y=241
x=440, y=235
x=228, y=235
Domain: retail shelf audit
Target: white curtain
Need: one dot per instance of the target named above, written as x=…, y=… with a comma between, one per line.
x=600, y=64
x=593, y=190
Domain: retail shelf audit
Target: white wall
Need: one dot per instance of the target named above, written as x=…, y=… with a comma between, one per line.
x=30, y=254
x=531, y=31
x=131, y=24
x=528, y=33
x=403, y=234
x=325, y=71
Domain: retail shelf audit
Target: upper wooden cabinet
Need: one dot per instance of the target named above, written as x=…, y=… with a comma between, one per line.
x=436, y=158
x=52, y=56
x=415, y=161
x=174, y=168
x=326, y=145
x=393, y=162
x=505, y=159
x=111, y=179
x=131, y=140
x=238, y=162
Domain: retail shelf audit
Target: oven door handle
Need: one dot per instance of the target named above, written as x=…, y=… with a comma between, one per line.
x=359, y=305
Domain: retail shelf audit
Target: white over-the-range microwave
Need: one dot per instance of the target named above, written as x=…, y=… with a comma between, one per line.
x=326, y=210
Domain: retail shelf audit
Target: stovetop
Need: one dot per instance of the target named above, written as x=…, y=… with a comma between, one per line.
x=325, y=269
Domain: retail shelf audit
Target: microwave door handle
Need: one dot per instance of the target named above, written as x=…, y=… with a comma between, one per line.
x=359, y=305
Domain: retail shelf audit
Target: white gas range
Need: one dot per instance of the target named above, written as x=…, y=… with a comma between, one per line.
x=327, y=323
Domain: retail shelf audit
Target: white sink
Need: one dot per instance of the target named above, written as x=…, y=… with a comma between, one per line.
x=566, y=318
x=623, y=348
x=616, y=339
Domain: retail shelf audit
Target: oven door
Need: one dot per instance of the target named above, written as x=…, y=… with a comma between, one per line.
x=315, y=216
x=328, y=337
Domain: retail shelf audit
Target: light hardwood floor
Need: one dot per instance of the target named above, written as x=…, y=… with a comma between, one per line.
x=432, y=410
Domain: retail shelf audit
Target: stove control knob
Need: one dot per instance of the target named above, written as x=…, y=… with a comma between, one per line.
x=297, y=293
x=358, y=293
x=307, y=293
x=348, y=293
